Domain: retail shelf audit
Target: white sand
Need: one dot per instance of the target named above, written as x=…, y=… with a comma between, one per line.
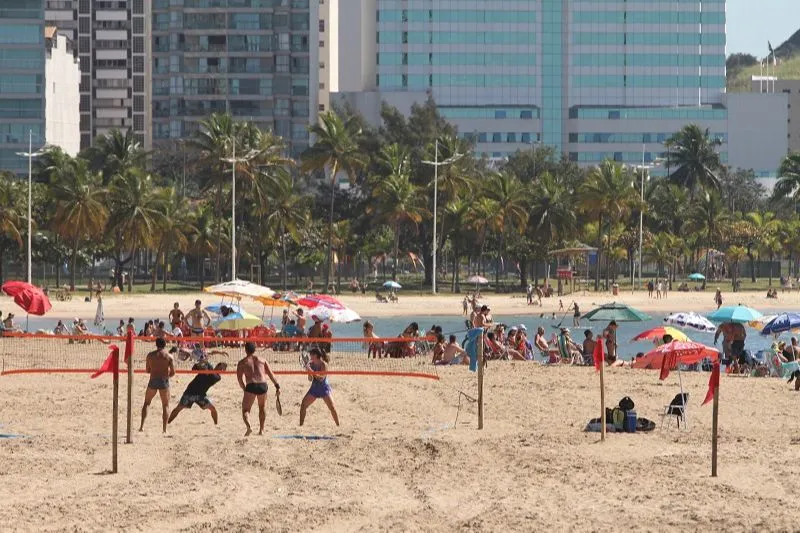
x=398, y=464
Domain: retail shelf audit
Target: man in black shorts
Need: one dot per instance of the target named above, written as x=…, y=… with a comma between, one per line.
x=252, y=374
x=197, y=390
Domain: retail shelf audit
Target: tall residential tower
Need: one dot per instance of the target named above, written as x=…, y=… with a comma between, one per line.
x=257, y=59
x=592, y=79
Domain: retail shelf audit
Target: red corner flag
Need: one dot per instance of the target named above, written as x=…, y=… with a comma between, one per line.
x=598, y=354
x=669, y=362
x=111, y=364
x=713, y=383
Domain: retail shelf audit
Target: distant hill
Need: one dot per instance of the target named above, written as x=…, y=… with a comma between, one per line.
x=788, y=54
x=789, y=48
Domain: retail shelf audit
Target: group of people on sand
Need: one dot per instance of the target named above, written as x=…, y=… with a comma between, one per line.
x=657, y=287
x=252, y=373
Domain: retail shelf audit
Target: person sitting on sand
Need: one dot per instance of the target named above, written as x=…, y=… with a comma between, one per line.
x=81, y=328
x=374, y=349
x=438, y=349
x=60, y=329
x=454, y=354
x=161, y=367
x=498, y=351
x=588, y=344
x=540, y=342
x=568, y=348
x=8, y=323
x=197, y=390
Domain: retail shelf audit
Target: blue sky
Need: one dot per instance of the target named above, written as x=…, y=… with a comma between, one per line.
x=751, y=23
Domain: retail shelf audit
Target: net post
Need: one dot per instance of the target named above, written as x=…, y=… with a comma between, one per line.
x=714, y=417
x=129, y=359
x=115, y=416
x=602, y=399
x=480, y=380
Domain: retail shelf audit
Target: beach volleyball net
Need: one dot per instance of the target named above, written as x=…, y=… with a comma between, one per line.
x=27, y=353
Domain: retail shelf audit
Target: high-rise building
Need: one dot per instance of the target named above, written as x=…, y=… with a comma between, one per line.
x=113, y=44
x=38, y=73
x=257, y=59
x=594, y=80
x=328, y=51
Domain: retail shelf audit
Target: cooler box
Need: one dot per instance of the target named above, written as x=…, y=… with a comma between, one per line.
x=630, y=421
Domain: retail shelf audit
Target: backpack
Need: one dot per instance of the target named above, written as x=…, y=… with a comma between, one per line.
x=626, y=404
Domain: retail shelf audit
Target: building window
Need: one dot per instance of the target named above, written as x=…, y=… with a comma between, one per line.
x=85, y=6
x=138, y=84
x=138, y=122
x=84, y=25
x=322, y=44
x=138, y=45
x=138, y=6
x=83, y=44
x=322, y=107
x=138, y=25
x=322, y=26
x=138, y=104
x=138, y=64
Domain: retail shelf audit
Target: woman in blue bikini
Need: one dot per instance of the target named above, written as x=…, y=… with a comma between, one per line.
x=320, y=388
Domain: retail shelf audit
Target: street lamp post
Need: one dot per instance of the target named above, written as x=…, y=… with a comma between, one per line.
x=30, y=154
x=645, y=172
x=436, y=164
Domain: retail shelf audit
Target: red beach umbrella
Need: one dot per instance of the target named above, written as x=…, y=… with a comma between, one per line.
x=311, y=301
x=684, y=353
x=28, y=297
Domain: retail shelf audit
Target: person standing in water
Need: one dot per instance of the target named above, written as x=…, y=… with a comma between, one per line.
x=320, y=388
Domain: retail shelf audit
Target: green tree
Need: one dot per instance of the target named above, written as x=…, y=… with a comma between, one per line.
x=286, y=214
x=735, y=255
x=80, y=210
x=692, y=151
x=511, y=199
x=11, y=218
x=708, y=217
x=788, y=184
x=335, y=149
x=173, y=234
x=115, y=153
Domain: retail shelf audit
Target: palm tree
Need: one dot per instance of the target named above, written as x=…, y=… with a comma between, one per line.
x=692, y=152
x=335, y=149
x=204, y=242
x=457, y=214
x=551, y=212
x=735, y=255
x=137, y=212
x=286, y=214
x=11, y=219
x=511, y=198
x=788, y=184
x=708, y=218
x=398, y=201
x=114, y=153
x=765, y=225
x=175, y=232
x=608, y=195
x=772, y=246
x=80, y=210
x=661, y=250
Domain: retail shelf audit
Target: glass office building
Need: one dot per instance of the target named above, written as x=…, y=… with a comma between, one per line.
x=22, y=72
x=593, y=79
x=257, y=59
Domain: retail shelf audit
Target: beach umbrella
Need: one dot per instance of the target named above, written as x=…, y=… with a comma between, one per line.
x=659, y=332
x=759, y=323
x=239, y=288
x=679, y=352
x=392, y=285
x=29, y=297
x=782, y=323
x=477, y=280
x=617, y=312
x=691, y=320
x=238, y=321
x=696, y=277
x=217, y=308
x=342, y=316
x=735, y=313
x=312, y=301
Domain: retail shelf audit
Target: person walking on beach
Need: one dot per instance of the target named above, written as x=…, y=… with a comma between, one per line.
x=576, y=315
x=176, y=316
x=529, y=293
x=161, y=367
x=320, y=388
x=465, y=305
x=650, y=288
x=252, y=374
x=659, y=288
x=197, y=390
x=196, y=318
x=718, y=298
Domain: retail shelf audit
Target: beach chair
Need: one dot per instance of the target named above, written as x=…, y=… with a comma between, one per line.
x=676, y=408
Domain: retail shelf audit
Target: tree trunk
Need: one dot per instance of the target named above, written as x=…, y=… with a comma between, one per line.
x=752, y=258
x=771, y=259
x=164, y=263
x=329, y=255
x=91, y=271
x=219, y=232
x=454, y=279
x=599, y=252
x=154, y=273
x=72, y=266
x=283, y=261
x=133, y=268
x=202, y=272
x=499, y=260
x=705, y=270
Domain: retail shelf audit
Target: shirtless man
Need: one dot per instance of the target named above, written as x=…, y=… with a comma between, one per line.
x=610, y=335
x=252, y=374
x=161, y=367
x=733, y=336
x=176, y=316
x=482, y=318
x=454, y=354
x=196, y=317
x=301, y=322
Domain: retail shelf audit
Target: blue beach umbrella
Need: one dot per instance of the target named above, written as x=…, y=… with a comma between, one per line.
x=217, y=308
x=392, y=285
x=782, y=323
x=735, y=313
x=696, y=277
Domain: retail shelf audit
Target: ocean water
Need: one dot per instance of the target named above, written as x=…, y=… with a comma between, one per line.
x=393, y=326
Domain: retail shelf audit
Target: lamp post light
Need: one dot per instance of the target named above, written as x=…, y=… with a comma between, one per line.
x=644, y=168
x=30, y=154
x=234, y=160
x=436, y=164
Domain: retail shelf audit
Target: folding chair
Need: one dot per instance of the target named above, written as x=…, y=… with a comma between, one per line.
x=676, y=408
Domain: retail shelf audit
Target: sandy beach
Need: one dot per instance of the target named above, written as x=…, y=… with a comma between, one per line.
x=415, y=305
x=398, y=463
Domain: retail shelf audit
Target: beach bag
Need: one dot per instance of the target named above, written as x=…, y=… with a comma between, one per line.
x=618, y=418
x=626, y=404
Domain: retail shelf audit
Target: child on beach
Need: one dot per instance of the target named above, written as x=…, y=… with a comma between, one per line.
x=320, y=388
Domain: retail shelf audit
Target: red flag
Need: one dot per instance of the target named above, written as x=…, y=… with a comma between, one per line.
x=667, y=364
x=111, y=364
x=598, y=354
x=713, y=383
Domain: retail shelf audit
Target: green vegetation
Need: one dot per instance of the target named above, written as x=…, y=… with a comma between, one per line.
x=787, y=69
x=166, y=216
